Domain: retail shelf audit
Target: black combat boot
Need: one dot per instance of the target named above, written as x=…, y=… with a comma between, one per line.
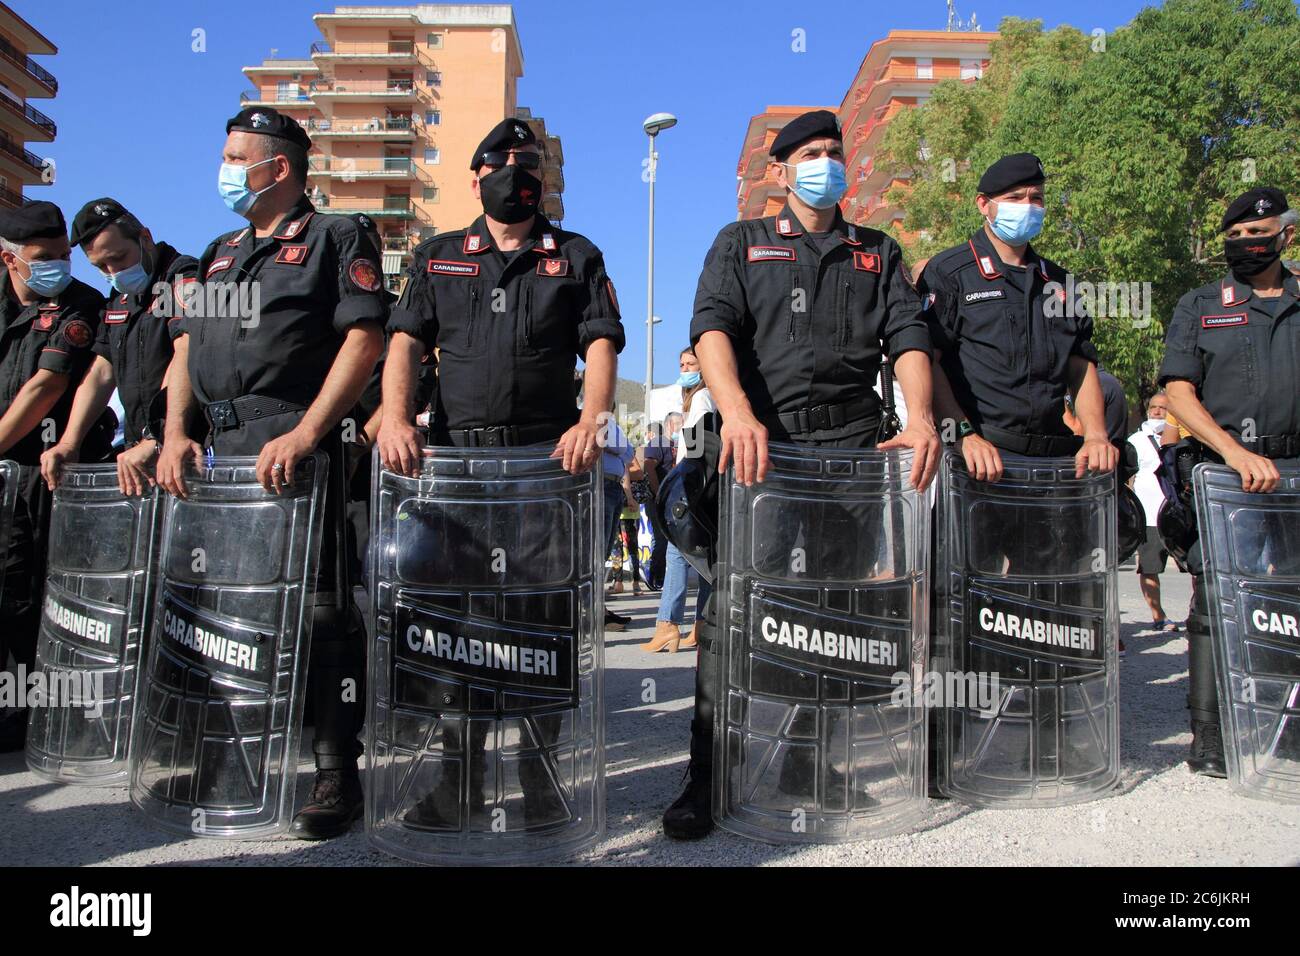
x=1206, y=756
x=13, y=731
x=334, y=804
x=691, y=816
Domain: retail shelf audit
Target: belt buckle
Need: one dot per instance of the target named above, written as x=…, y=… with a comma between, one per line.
x=491, y=437
x=819, y=418
x=222, y=414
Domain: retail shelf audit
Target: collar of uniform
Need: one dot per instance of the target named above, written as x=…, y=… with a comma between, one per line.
x=1232, y=292
x=846, y=230
x=294, y=224
x=787, y=224
x=542, y=238
x=477, y=238
x=990, y=263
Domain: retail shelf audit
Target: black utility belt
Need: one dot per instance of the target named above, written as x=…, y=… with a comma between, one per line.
x=818, y=418
x=230, y=414
x=1032, y=446
x=498, y=436
x=1274, y=446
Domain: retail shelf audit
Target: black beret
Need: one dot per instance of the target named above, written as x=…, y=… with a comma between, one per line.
x=93, y=217
x=811, y=125
x=1018, y=169
x=1259, y=203
x=269, y=122
x=508, y=134
x=36, y=220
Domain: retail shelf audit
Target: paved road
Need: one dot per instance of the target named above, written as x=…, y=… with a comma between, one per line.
x=1161, y=814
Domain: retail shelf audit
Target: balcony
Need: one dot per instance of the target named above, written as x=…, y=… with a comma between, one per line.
x=393, y=208
x=553, y=179
x=379, y=51
x=348, y=167
x=373, y=128
x=278, y=98
x=363, y=91
x=25, y=159
x=10, y=199
x=31, y=70
x=553, y=207
x=43, y=127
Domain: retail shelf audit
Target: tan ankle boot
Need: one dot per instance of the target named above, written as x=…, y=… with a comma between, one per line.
x=690, y=642
x=667, y=636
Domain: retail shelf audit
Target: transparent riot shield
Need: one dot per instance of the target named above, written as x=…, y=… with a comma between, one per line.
x=1027, y=615
x=8, y=498
x=485, y=737
x=222, y=685
x=819, y=736
x=1251, y=547
x=94, y=613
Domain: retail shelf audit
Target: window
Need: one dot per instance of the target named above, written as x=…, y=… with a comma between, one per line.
x=433, y=41
x=972, y=69
x=924, y=68
x=432, y=156
x=433, y=117
x=433, y=77
x=430, y=193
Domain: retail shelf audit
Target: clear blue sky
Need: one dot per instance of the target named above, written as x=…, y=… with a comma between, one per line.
x=141, y=116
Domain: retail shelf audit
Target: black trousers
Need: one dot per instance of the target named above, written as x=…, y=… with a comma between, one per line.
x=24, y=570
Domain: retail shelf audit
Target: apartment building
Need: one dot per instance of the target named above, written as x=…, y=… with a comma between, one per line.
x=395, y=99
x=23, y=79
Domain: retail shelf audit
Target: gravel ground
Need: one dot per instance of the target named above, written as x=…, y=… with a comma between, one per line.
x=1160, y=815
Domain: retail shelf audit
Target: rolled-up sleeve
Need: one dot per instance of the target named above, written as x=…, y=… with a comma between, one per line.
x=70, y=349
x=416, y=311
x=904, y=327
x=601, y=317
x=939, y=300
x=720, y=293
x=361, y=278
x=1182, y=356
x=184, y=281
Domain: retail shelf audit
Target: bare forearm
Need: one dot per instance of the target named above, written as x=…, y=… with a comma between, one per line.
x=345, y=382
x=718, y=364
x=91, y=398
x=1089, y=402
x=946, y=406
x=598, y=379
x=180, y=393
x=401, y=369
x=32, y=403
x=912, y=370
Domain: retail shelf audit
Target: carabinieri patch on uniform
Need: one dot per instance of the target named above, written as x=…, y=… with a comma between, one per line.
x=866, y=262
x=293, y=255
x=448, y=268
x=768, y=253
x=553, y=267
x=115, y=318
x=45, y=318
x=77, y=334
x=364, y=275
x=1219, y=321
x=984, y=294
x=220, y=265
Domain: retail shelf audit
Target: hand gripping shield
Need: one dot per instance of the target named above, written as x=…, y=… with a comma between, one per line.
x=95, y=611
x=1027, y=622
x=822, y=620
x=222, y=685
x=485, y=735
x=1251, y=546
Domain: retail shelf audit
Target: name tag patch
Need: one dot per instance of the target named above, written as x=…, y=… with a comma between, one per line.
x=448, y=268
x=984, y=294
x=553, y=267
x=866, y=262
x=767, y=253
x=1219, y=321
x=115, y=318
x=293, y=255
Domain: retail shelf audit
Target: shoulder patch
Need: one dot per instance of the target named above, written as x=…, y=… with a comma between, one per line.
x=553, y=267
x=866, y=262
x=1219, y=321
x=770, y=253
x=364, y=275
x=219, y=265
x=78, y=334
x=447, y=267
x=293, y=255
x=613, y=297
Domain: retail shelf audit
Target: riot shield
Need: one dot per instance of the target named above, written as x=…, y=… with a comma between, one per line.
x=1251, y=547
x=1027, y=617
x=485, y=733
x=221, y=689
x=96, y=602
x=822, y=620
x=9, y=472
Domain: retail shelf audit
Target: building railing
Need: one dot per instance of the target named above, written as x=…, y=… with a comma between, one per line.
x=372, y=125
x=10, y=198
x=25, y=63
x=31, y=114
x=276, y=96
x=363, y=86
x=377, y=48
x=370, y=164
x=22, y=155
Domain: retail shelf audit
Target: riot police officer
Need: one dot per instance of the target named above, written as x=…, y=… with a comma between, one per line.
x=48, y=322
x=1230, y=375
x=276, y=385
x=133, y=349
x=792, y=314
x=1006, y=355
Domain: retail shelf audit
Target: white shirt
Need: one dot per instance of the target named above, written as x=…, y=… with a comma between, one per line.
x=1145, y=484
x=701, y=404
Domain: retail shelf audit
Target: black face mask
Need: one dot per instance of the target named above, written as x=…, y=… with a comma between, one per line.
x=1251, y=255
x=510, y=194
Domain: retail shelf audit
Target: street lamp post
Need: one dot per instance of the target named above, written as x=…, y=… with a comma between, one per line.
x=653, y=125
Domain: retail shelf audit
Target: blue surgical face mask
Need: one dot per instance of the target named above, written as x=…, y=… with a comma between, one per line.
x=132, y=280
x=232, y=183
x=688, y=379
x=48, y=278
x=1018, y=222
x=820, y=182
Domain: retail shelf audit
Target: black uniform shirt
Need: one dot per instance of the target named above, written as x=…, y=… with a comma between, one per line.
x=136, y=336
x=507, y=325
x=53, y=334
x=1242, y=353
x=807, y=314
x=304, y=287
x=1006, y=337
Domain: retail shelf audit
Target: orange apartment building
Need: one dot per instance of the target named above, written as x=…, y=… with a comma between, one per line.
x=395, y=99
x=21, y=79
x=897, y=73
